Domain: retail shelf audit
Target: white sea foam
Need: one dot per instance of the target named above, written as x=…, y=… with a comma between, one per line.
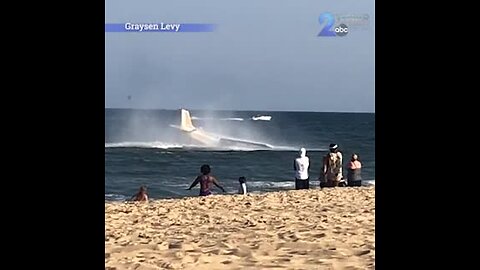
x=167, y=145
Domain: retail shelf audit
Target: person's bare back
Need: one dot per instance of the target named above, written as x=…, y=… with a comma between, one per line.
x=206, y=182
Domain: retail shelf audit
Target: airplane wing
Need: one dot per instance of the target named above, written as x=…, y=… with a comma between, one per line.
x=244, y=142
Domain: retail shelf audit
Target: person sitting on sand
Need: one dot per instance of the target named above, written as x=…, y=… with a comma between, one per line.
x=354, y=175
x=141, y=195
x=301, y=165
x=242, y=189
x=206, y=181
x=331, y=174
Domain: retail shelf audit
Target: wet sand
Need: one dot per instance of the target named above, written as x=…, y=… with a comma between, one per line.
x=307, y=229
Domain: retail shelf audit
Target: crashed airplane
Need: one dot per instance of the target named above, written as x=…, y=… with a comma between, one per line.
x=208, y=139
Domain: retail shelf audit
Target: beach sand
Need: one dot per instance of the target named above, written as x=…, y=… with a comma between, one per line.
x=305, y=229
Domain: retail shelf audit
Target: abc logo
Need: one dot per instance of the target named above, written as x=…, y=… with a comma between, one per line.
x=341, y=30
x=328, y=21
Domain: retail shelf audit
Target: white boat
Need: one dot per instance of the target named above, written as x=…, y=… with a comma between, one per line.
x=262, y=118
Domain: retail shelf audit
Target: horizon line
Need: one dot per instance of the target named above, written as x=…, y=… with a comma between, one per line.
x=241, y=110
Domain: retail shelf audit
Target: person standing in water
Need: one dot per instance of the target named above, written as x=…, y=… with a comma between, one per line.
x=354, y=174
x=206, y=181
x=301, y=165
x=331, y=173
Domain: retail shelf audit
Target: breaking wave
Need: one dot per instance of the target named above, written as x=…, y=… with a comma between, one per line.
x=166, y=145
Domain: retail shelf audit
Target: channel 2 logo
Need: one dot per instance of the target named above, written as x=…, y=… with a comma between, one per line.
x=327, y=31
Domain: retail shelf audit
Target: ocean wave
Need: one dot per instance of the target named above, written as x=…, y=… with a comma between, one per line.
x=176, y=146
x=263, y=184
x=291, y=184
x=368, y=182
x=115, y=197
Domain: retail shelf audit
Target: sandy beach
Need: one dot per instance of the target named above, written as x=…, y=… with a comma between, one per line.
x=306, y=229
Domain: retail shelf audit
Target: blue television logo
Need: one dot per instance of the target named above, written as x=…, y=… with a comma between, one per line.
x=329, y=20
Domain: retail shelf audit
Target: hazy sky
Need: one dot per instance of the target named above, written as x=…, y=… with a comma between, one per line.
x=263, y=55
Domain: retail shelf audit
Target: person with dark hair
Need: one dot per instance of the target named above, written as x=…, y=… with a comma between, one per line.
x=141, y=195
x=301, y=165
x=206, y=181
x=354, y=175
x=243, y=185
x=331, y=174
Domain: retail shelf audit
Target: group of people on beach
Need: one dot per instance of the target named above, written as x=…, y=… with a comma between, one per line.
x=331, y=174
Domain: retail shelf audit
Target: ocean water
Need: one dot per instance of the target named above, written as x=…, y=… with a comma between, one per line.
x=142, y=148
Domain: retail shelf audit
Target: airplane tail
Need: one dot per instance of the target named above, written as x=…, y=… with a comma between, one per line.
x=186, y=121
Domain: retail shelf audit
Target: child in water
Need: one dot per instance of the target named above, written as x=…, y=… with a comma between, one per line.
x=141, y=195
x=206, y=181
x=243, y=185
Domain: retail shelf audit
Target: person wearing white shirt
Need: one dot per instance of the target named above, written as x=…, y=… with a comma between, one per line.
x=301, y=165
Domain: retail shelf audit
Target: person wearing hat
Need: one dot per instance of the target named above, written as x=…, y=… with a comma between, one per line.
x=331, y=173
x=301, y=165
